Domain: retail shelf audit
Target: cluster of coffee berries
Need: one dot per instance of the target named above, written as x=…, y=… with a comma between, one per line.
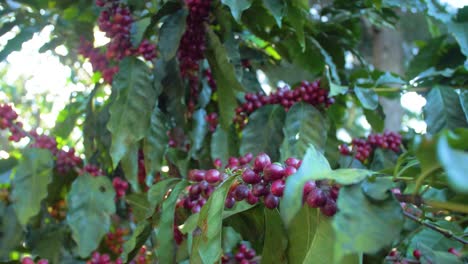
x=307, y=92
x=320, y=194
x=98, y=258
x=114, y=240
x=263, y=179
x=212, y=120
x=43, y=142
x=8, y=121
x=28, y=260
x=98, y=60
x=242, y=255
x=92, y=170
x=396, y=257
x=204, y=183
x=210, y=79
x=192, y=46
x=120, y=187
x=67, y=161
x=362, y=148
x=58, y=210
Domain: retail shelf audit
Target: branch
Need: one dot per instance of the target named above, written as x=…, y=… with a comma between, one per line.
x=446, y=233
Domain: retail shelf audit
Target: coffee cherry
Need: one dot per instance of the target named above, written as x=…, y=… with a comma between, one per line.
x=259, y=190
x=277, y=188
x=454, y=252
x=196, y=175
x=252, y=199
x=271, y=201
x=241, y=192
x=330, y=208
x=289, y=171
x=293, y=162
x=230, y=201
x=273, y=172
x=261, y=161
x=213, y=176
x=417, y=254
x=316, y=198
x=249, y=176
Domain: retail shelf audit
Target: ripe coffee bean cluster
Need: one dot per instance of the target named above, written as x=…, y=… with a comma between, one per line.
x=307, y=92
x=212, y=120
x=192, y=46
x=320, y=194
x=28, y=260
x=363, y=149
x=67, y=161
x=210, y=79
x=98, y=60
x=8, y=121
x=100, y=258
x=242, y=255
x=91, y=169
x=114, y=240
x=120, y=186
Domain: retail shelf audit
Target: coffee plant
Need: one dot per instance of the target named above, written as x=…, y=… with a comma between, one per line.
x=211, y=131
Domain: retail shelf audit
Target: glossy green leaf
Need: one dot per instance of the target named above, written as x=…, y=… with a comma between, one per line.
x=199, y=130
x=455, y=164
x=158, y=191
x=464, y=102
x=364, y=226
x=313, y=165
x=226, y=80
x=435, y=240
x=304, y=126
x=139, y=204
x=33, y=175
x=129, y=115
x=171, y=33
x=301, y=233
x=132, y=246
x=206, y=246
x=429, y=256
x=165, y=243
x=47, y=242
x=237, y=7
x=67, y=118
x=368, y=98
x=263, y=132
x=344, y=176
x=295, y=17
x=138, y=30
x=224, y=144
x=277, y=9
x=230, y=239
x=276, y=242
x=443, y=110
x=322, y=241
x=90, y=206
x=11, y=230
x=155, y=142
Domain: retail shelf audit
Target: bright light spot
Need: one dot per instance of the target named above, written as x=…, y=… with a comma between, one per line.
x=61, y=50
x=448, y=218
x=419, y=126
x=455, y=3
x=349, y=59
x=262, y=78
x=165, y=168
x=343, y=135
x=4, y=154
x=100, y=38
x=413, y=102
x=363, y=122
x=297, y=136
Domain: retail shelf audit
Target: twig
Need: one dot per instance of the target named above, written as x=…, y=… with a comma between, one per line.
x=446, y=233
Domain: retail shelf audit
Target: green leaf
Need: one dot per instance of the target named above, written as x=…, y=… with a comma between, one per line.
x=362, y=225
x=263, y=132
x=304, y=126
x=129, y=115
x=322, y=240
x=428, y=256
x=276, y=242
x=66, y=120
x=139, y=204
x=171, y=33
x=277, y=9
x=17, y=41
x=435, y=240
x=230, y=239
x=344, y=176
x=368, y=98
x=165, y=244
x=47, y=242
x=206, y=246
x=226, y=80
x=455, y=164
x=224, y=144
x=464, y=102
x=237, y=7
x=90, y=205
x=199, y=130
x=295, y=17
x=301, y=233
x=377, y=189
x=443, y=110
x=331, y=65
x=136, y=241
x=155, y=142
x=11, y=230
x=138, y=30
x=33, y=175
x=158, y=191
x=313, y=164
